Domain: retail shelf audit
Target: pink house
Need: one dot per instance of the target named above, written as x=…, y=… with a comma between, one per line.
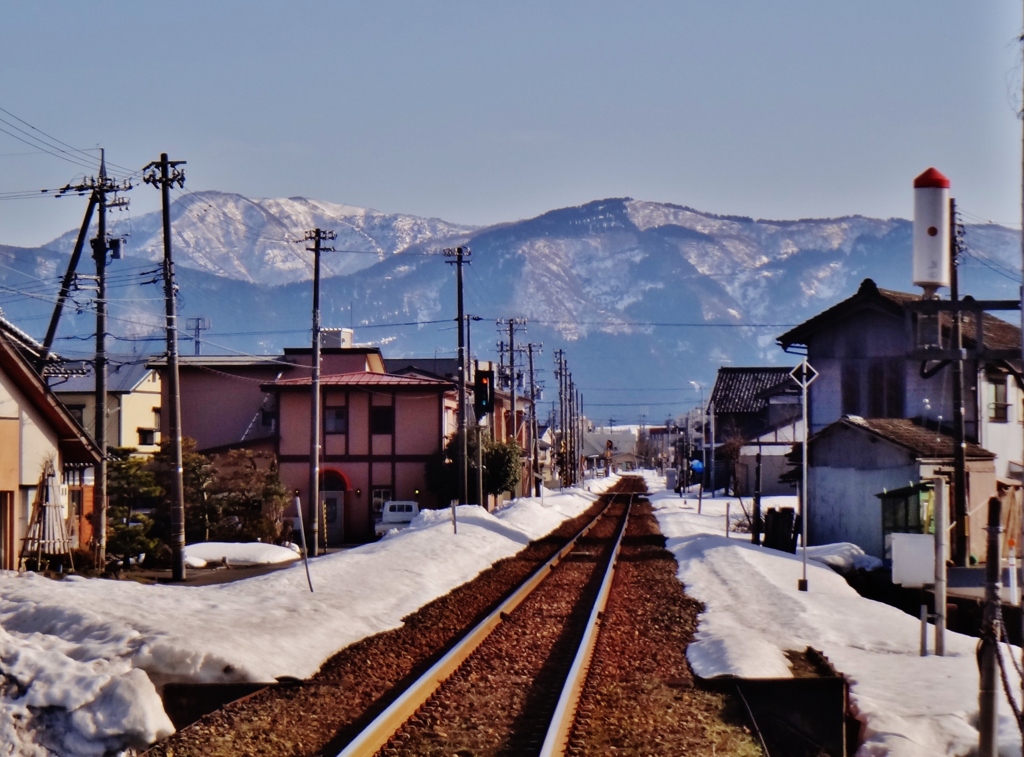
x=378, y=430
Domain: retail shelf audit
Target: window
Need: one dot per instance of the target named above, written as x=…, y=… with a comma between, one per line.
x=379, y=497
x=336, y=420
x=77, y=412
x=998, y=407
x=147, y=437
x=268, y=418
x=382, y=419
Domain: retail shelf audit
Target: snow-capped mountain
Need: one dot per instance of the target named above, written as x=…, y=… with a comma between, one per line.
x=639, y=293
x=261, y=241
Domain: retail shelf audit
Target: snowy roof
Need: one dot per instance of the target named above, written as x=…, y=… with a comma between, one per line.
x=361, y=378
x=745, y=390
x=910, y=434
x=998, y=334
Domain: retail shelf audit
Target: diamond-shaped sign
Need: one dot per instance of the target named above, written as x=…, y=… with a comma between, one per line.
x=804, y=374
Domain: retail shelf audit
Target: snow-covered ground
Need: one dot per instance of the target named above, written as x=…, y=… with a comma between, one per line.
x=909, y=706
x=237, y=555
x=81, y=659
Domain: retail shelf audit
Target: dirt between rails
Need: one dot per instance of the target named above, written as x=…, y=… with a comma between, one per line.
x=641, y=697
x=322, y=714
x=502, y=698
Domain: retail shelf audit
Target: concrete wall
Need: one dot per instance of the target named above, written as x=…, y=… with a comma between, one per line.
x=843, y=505
x=219, y=406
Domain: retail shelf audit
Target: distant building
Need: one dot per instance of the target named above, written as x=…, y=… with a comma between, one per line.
x=378, y=429
x=755, y=411
x=133, y=401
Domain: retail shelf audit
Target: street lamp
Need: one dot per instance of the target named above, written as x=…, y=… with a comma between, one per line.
x=703, y=448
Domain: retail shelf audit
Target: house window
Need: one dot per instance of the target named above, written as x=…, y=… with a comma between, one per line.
x=336, y=420
x=380, y=496
x=382, y=419
x=77, y=412
x=849, y=387
x=147, y=437
x=998, y=407
x=268, y=418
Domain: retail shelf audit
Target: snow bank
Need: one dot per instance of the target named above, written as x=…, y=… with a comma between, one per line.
x=908, y=706
x=231, y=553
x=82, y=658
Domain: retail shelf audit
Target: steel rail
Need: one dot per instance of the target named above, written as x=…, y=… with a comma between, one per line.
x=384, y=726
x=556, y=741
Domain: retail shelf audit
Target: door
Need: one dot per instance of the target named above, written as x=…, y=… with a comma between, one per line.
x=332, y=505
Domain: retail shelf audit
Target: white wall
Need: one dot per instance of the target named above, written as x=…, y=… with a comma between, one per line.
x=844, y=506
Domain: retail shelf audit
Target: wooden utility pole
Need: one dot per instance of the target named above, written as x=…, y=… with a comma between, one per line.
x=316, y=236
x=165, y=173
x=460, y=254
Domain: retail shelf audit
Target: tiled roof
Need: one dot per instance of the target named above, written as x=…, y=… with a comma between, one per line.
x=744, y=390
x=121, y=376
x=922, y=441
x=361, y=378
x=998, y=334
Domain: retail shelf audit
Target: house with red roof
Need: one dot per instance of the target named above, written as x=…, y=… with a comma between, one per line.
x=378, y=431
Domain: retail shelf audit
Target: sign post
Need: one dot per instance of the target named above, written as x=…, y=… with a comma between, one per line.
x=804, y=375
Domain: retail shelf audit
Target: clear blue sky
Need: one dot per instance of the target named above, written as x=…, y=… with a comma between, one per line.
x=480, y=112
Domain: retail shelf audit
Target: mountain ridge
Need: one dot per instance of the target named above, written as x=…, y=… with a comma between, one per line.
x=647, y=287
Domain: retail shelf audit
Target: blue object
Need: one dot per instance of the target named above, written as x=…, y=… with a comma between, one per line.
x=696, y=466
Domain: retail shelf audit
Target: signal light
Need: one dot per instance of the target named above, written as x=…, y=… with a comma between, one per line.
x=483, y=392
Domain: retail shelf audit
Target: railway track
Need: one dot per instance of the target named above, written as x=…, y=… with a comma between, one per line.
x=638, y=698
x=512, y=684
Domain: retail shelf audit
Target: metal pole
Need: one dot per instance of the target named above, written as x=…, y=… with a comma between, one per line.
x=534, y=428
x=940, y=519
x=512, y=375
x=989, y=646
x=802, y=583
x=463, y=442
x=314, y=414
x=755, y=527
x=302, y=536
x=961, y=549
x=711, y=417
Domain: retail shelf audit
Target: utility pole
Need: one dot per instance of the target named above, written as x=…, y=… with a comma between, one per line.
x=534, y=425
x=165, y=173
x=316, y=236
x=960, y=547
x=98, y=189
x=197, y=326
x=513, y=324
x=100, y=247
x=99, y=254
x=460, y=254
